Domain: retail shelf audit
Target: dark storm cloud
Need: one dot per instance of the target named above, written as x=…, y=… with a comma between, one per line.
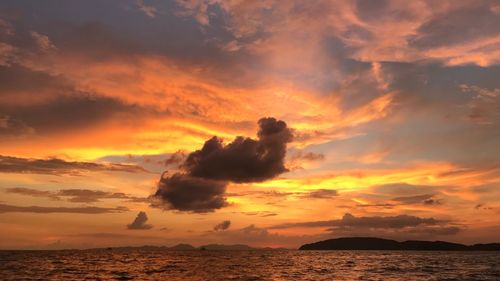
x=55, y=166
x=244, y=159
x=140, y=222
x=222, y=226
x=186, y=193
x=75, y=195
x=201, y=186
x=350, y=221
x=4, y=208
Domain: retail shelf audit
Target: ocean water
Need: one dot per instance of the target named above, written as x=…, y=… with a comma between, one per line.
x=137, y=264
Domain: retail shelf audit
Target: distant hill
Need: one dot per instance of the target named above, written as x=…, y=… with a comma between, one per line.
x=372, y=243
x=485, y=247
x=218, y=247
x=182, y=247
x=188, y=247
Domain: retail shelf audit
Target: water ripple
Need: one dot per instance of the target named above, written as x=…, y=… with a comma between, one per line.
x=137, y=264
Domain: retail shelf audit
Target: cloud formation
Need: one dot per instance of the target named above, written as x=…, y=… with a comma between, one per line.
x=75, y=195
x=307, y=156
x=222, y=226
x=87, y=196
x=350, y=221
x=140, y=222
x=175, y=159
x=206, y=172
x=148, y=10
x=32, y=192
x=186, y=193
x=449, y=32
x=300, y=157
x=56, y=166
x=414, y=199
x=320, y=194
x=5, y=208
x=10, y=127
x=244, y=159
x=396, y=227
x=64, y=110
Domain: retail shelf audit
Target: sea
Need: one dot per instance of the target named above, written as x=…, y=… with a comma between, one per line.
x=139, y=264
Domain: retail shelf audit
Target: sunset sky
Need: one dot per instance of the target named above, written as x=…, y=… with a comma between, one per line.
x=267, y=123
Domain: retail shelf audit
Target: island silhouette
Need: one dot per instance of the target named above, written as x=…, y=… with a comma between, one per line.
x=373, y=243
x=344, y=244
x=188, y=247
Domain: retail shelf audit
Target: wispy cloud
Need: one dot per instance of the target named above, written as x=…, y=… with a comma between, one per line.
x=75, y=195
x=148, y=10
x=350, y=221
x=4, y=208
x=222, y=226
x=56, y=166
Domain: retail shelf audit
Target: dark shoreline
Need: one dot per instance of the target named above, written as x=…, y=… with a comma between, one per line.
x=379, y=244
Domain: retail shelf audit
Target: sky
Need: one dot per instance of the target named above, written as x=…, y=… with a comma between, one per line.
x=267, y=123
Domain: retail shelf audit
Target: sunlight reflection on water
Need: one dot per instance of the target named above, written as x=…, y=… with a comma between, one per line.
x=247, y=265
